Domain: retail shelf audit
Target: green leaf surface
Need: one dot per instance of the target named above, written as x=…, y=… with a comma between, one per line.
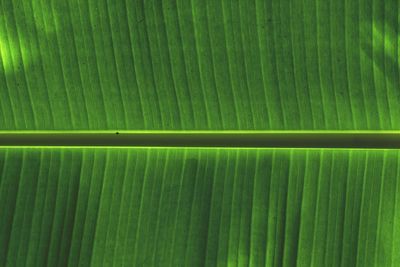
x=199, y=64
x=199, y=207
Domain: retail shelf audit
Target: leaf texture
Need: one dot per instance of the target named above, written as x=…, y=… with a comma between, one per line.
x=199, y=207
x=199, y=64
